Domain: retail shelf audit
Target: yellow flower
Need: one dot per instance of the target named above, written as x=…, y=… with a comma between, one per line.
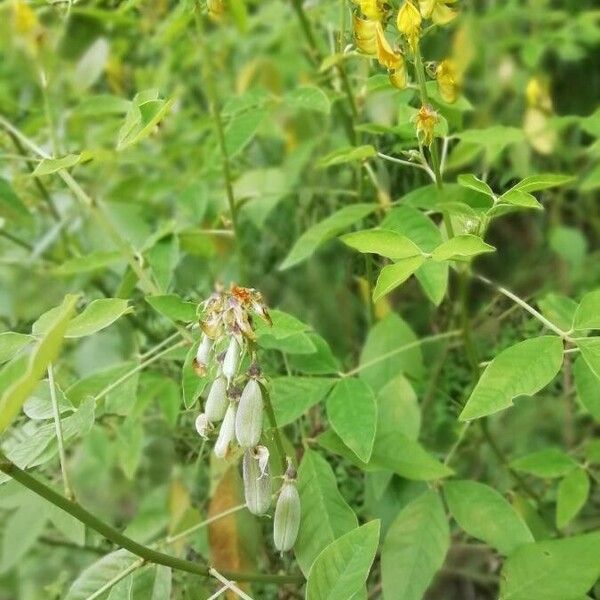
x=365, y=34
x=371, y=9
x=447, y=80
x=216, y=9
x=385, y=55
x=398, y=76
x=409, y=23
x=437, y=10
x=425, y=121
x=25, y=21
x=537, y=93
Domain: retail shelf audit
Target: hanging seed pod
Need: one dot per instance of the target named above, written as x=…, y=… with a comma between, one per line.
x=257, y=480
x=202, y=355
x=227, y=432
x=249, y=418
x=203, y=425
x=287, y=513
x=231, y=360
x=216, y=402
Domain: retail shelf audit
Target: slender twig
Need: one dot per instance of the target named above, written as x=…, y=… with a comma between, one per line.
x=229, y=584
x=274, y=427
x=186, y=532
x=527, y=307
x=424, y=340
x=218, y=593
x=116, y=579
x=59, y=434
x=121, y=540
x=115, y=384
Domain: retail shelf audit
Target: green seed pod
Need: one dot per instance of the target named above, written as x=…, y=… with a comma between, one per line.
x=257, y=480
x=227, y=432
x=216, y=402
x=231, y=360
x=287, y=516
x=249, y=418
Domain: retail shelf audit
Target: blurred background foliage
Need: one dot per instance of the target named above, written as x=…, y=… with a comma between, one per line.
x=123, y=91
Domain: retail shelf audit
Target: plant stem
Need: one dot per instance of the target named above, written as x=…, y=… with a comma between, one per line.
x=424, y=340
x=229, y=584
x=59, y=435
x=118, y=577
x=273, y=422
x=115, y=384
x=111, y=534
x=527, y=307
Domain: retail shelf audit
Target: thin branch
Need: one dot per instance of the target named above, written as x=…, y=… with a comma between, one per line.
x=59, y=434
x=121, y=540
x=117, y=578
x=527, y=307
x=229, y=584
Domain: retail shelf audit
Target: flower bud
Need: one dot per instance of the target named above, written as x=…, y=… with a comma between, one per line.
x=203, y=425
x=385, y=55
x=257, y=480
x=447, y=81
x=287, y=516
x=216, y=402
x=364, y=33
x=249, y=418
x=227, y=432
x=231, y=360
x=203, y=353
x=409, y=23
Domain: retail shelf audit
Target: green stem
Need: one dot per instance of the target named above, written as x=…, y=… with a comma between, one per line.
x=59, y=434
x=111, y=534
x=274, y=427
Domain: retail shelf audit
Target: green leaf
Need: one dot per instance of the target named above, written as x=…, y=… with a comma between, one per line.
x=99, y=573
x=486, y=515
x=547, y=463
x=522, y=369
x=292, y=396
x=519, y=198
x=352, y=412
x=588, y=387
x=391, y=348
x=11, y=343
x=563, y=569
x=414, y=548
x=11, y=206
x=543, y=181
x=66, y=524
x=341, y=570
x=571, y=497
x=88, y=263
x=398, y=410
x=161, y=589
x=394, y=452
x=412, y=223
x=21, y=531
x=173, y=307
x=45, y=352
x=461, y=247
x=473, y=183
x=348, y=154
x=47, y=166
x=590, y=350
x=383, y=242
x=96, y=316
x=325, y=514
x=587, y=315
x=145, y=112
x=394, y=275
x=558, y=309
x=283, y=326
x=326, y=229
x=192, y=385
x=242, y=128
x=308, y=97
x=320, y=362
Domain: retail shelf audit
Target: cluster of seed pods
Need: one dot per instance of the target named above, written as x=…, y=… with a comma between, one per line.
x=233, y=410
